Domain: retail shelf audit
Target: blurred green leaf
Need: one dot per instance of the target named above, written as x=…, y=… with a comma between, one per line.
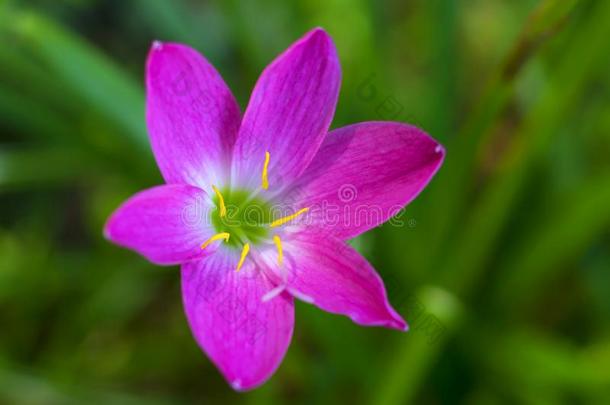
x=535, y=362
x=563, y=234
x=21, y=168
x=414, y=358
x=18, y=387
x=481, y=230
x=455, y=184
x=86, y=71
x=33, y=119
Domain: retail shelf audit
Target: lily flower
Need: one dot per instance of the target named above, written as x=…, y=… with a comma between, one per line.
x=309, y=189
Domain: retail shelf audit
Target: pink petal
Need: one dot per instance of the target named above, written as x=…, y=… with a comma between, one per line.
x=333, y=276
x=192, y=116
x=364, y=174
x=245, y=337
x=165, y=224
x=289, y=113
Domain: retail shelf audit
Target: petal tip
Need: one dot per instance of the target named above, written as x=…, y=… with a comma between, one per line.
x=239, y=386
x=236, y=385
x=396, y=321
x=107, y=230
x=318, y=35
x=318, y=31
x=156, y=45
x=440, y=152
x=106, y=233
x=400, y=324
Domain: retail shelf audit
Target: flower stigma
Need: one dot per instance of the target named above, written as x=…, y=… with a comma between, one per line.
x=246, y=218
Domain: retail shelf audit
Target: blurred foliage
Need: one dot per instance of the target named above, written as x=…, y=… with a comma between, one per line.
x=502, y=266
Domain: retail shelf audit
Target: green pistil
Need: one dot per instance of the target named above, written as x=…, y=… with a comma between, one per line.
x=247, y=220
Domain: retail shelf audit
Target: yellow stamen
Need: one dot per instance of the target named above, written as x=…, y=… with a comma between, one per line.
x=222, y=235
x=265, y=180
x=221, y=201
x=244, y=253
x=280, y=251
x=285, y=219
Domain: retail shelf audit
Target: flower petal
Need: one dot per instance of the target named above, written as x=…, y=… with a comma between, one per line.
x=191, y=114
x=166, y=224
x=289, y=112
x=333, y=276
x=245, y=337
x=364, y=174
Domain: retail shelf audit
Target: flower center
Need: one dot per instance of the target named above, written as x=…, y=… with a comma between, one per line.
x=246, y=219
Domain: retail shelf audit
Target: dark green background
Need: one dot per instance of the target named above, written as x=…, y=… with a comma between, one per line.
x=502, y=265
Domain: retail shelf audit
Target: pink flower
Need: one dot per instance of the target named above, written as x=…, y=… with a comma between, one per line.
x=257, y=208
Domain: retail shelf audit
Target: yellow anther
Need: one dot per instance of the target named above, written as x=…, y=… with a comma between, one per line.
x=221, y=201
x=285, y=219
x=244, y=253
x=222, y=235
x=280, y=251
x=265, y=180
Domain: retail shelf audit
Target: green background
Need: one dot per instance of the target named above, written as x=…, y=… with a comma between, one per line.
x=502, y=265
